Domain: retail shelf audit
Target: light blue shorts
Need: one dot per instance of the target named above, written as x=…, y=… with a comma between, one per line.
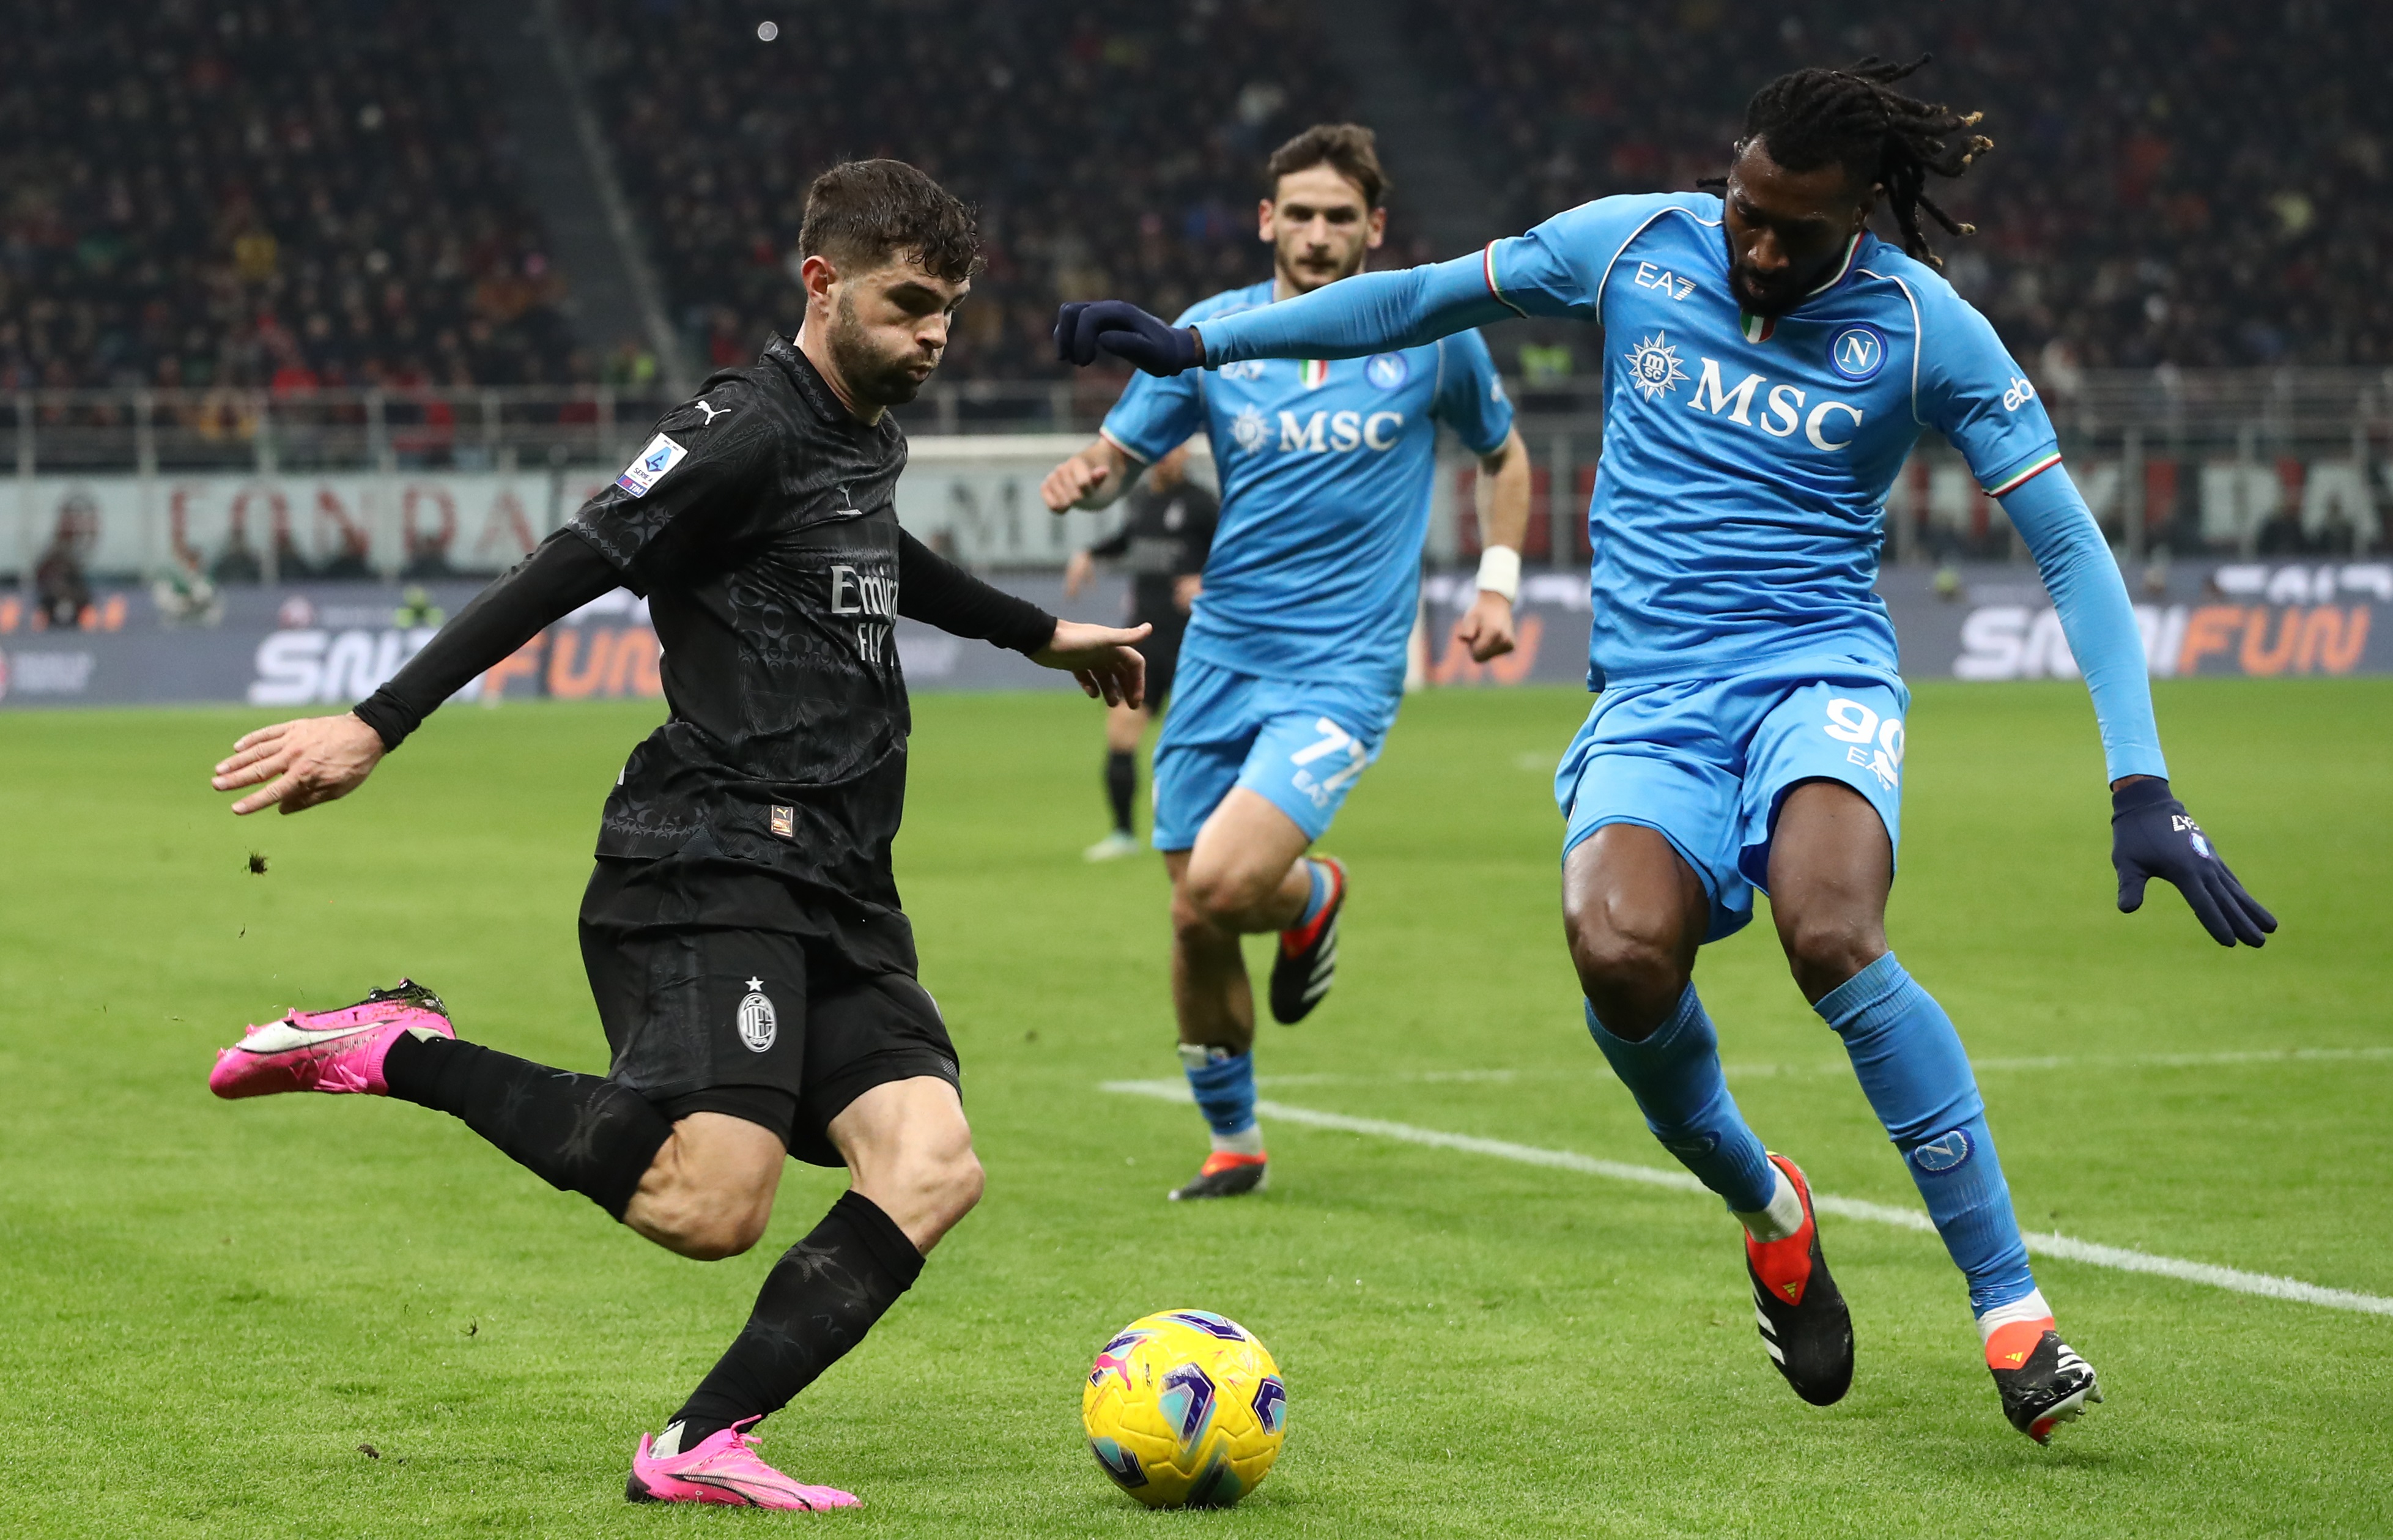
x=1708, y=763
x=1299, y=746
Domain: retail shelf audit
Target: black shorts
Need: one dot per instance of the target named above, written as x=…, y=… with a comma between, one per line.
x=1161, y=650
x=719, y=993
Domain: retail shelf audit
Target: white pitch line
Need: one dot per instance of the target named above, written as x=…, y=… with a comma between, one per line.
x=2043, y=1244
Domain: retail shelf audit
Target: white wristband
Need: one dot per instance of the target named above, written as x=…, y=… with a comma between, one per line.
x=1499, y=571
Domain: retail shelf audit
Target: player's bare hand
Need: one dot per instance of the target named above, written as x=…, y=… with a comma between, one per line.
x=1184, y=588
x=1486, y=627
x=1101, y=657
x=1071, y=481
x=1077, y=573
x=315, y=759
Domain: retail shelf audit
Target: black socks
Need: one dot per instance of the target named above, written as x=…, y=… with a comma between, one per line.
x=817, y=1302
x=1121, y=785
x=579, y=1133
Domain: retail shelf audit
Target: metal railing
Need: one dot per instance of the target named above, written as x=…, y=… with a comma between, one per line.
x=2245, y=462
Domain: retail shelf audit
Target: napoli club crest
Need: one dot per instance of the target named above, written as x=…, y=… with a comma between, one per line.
x=1858, y=352
x=1944, y=1153
x=1386, y=371
x=758, y=1026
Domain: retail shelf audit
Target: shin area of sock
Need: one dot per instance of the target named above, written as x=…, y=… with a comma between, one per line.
x=821, y=1299
x=579, y=1133
x=1675, y=1076
x=1223, y=1085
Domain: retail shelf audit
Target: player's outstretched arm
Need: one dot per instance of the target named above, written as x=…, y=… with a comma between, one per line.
x=2151, y=834
x=1501, y=495
x=1101, y=658
x=1366, y=314
x=1092, y=478
x=314, y=759
x=323, y=758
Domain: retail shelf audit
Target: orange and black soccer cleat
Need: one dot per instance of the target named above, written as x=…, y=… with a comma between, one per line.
x=1226, y=1174
x=2043, y=1381
x=1308, y=955
x=1804, y=1323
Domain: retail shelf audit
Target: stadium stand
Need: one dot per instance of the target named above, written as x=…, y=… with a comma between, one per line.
x=1109, y=146
x=278, y=193
x=2219, y=200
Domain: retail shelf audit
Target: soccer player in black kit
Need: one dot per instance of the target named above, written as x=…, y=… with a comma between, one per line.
x=742, y=933
x=1162, y=543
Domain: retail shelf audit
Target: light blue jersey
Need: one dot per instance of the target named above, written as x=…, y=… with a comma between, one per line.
x=1326, y=470
x=1739, y=507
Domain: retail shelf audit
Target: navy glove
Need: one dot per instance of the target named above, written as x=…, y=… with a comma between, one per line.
x=1084, y=328
x=2152, y=835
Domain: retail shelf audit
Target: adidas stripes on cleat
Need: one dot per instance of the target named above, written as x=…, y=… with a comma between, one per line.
x=1804, y=1323
x=1308, y=955
x=1225, y=1175
x=2043, y=1381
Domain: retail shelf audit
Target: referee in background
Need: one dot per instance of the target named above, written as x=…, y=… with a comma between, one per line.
x=1161, y=544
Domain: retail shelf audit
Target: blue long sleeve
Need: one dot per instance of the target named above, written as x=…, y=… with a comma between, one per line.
x=2095, y=615
x=1359, y=316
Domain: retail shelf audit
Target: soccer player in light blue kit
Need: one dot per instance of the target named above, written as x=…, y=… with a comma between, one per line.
x=1293, y=662
x=1769, y=364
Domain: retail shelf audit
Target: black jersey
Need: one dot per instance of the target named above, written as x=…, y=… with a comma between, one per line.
x=1164, y=536
x=761, y=525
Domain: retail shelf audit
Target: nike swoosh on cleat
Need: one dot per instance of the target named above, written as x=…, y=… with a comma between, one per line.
x=739, y=1490
x=282, y=1037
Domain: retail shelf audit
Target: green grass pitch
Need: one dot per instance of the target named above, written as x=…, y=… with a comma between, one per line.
x=213, y=1309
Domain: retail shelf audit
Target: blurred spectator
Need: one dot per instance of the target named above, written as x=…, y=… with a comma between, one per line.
x=2173, y=180
x=185, y=596
x=1111, y=146
x=286, y=193
x=61, y=587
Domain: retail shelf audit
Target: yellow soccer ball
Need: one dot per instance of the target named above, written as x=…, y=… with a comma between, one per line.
x=1185, y=1409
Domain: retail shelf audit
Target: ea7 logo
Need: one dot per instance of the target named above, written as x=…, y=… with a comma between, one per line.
x=1782, y=412
x=1670, y=283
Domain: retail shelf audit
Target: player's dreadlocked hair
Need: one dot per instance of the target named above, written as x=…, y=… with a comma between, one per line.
x=1854, y=117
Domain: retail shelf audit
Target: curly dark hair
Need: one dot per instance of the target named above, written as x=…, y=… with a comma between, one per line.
x=1854, y=118
x=867, y=213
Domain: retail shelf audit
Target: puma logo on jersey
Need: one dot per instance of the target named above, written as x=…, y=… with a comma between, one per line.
x=712, y=412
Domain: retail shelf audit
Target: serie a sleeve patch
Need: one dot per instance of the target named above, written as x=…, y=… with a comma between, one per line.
x=661, y=455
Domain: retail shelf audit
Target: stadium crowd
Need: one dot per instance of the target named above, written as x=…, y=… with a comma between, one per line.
x=1109, y=145
x=281, y=193
x=2173, y=182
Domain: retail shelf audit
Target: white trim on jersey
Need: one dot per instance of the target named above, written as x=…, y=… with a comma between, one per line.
x=1919, y=336
x=1708, y=224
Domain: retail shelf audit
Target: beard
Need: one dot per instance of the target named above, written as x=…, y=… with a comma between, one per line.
x=878, y=378
x=1308, y=278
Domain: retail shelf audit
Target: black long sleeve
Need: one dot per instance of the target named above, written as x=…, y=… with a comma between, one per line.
x=560, y=576
x=937, y=592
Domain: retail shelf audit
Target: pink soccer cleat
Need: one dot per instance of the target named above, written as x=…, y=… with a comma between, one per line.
x=724, y=1468
x=330, y=1051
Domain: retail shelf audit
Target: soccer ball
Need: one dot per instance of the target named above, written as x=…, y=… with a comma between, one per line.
x=1184, y=1408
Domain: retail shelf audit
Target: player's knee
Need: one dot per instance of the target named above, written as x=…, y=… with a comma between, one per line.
x=1823, y=950
x=1218, y=897
x=942, y=1188
x=705, y=1227
x=1631, y=975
